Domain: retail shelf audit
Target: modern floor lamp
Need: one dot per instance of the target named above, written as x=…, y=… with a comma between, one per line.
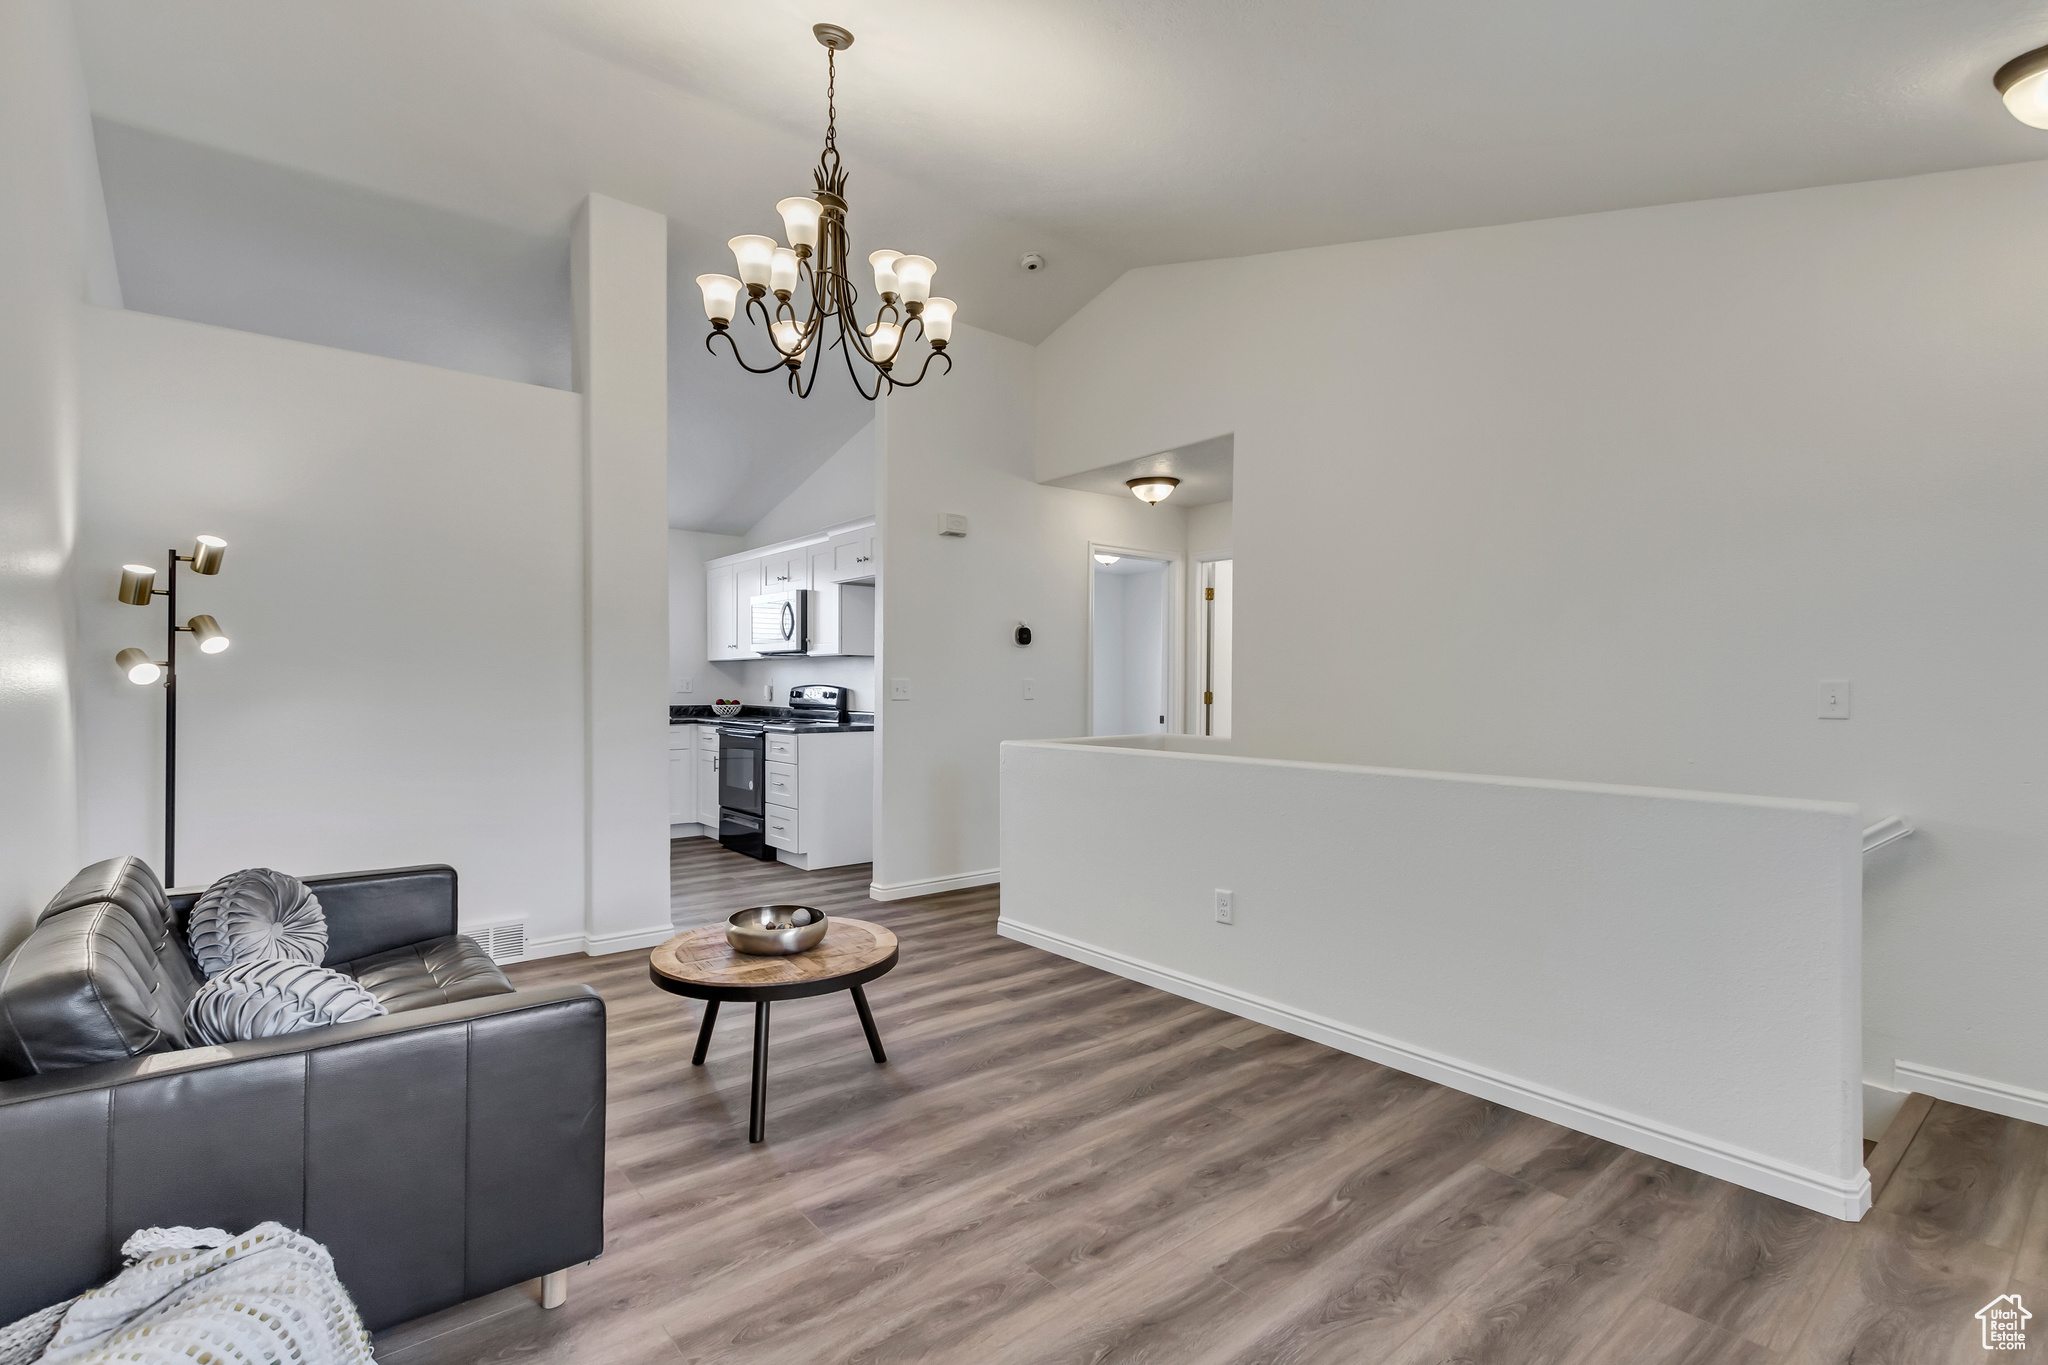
x=139, y=589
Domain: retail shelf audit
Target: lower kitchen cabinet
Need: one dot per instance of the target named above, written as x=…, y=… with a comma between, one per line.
x=821, y=810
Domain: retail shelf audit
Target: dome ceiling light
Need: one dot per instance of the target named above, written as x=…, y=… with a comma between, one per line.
x=2023, y=84
x=815, y=264
x=1153, y=488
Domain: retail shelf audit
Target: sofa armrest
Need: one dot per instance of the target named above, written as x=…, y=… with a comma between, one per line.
x=368, y=912
x=439, y=1154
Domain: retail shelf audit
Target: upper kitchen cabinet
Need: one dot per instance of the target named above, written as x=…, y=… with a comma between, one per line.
x=823, y=564
x=856, y=555
x=721, y=614
x=781, y=569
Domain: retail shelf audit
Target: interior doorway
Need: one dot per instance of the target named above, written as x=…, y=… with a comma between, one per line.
x=1131, y=643
x=1213, y=690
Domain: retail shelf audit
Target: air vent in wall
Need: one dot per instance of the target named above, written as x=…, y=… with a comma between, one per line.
x=505, y=940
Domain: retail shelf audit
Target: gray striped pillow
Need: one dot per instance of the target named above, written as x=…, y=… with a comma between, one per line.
x=276, y=995
x=252, y=914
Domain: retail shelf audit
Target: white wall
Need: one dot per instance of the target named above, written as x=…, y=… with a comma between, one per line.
x=54, y=253
x=962, y=443
x=1209, y=531
x=687, y=660
x=1604, y=497
x=403, y=588
x=1106, y=658
x=842, y=490
x=618, y=258
x=1513, y=939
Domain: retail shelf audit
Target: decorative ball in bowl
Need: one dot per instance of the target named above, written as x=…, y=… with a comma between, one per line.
x=725, y=708
x=775, y=930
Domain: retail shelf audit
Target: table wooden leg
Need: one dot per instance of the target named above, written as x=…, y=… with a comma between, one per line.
x=867, y=1023
x=757, y=1118
x=704, y=1033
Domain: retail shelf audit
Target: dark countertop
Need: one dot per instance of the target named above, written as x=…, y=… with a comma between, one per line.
x=778, y=718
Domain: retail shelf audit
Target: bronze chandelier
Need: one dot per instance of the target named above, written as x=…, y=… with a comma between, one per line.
x=815, y=262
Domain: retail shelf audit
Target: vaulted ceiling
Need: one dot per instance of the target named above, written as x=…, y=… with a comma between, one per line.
x=1103, y=134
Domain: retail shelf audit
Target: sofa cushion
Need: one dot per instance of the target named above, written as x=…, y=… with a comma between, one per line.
x=272, y=996
x=132, y=885
x=436, y=972
x=87, y=986
x=255, y=914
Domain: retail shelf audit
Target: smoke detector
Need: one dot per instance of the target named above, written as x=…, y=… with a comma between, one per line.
x=1033, y=262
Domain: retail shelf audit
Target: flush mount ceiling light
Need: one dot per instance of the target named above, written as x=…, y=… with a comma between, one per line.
x=1153, y=488
x=815, y=264
x=2023, y=83
x=1107, y=559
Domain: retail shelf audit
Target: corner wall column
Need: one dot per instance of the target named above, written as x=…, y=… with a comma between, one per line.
x=619, y=277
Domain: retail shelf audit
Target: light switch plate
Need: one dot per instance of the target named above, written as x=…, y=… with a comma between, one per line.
x=1031, y=689
x=1834, y=699
x=687, y=685
x=899, y=689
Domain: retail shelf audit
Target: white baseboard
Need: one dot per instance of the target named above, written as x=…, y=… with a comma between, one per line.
x=931, y=886
x=598, y=946
x=1994, y=1097
x=691, y=831
x=1847, y=1199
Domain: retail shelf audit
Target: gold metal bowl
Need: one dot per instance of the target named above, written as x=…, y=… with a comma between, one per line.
x=775, y=930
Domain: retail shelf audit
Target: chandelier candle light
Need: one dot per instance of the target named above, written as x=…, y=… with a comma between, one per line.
x=814, y=265
x=139, y=589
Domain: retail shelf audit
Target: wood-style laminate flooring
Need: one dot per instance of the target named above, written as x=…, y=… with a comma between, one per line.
x=1058, y=1165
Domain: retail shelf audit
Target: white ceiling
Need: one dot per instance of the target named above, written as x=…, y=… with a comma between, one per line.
x=1206, y=470
x=1104, y=134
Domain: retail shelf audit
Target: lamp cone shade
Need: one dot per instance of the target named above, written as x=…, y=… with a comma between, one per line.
x=207, y=554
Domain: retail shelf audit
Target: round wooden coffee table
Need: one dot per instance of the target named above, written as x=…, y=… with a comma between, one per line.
x=702, y=965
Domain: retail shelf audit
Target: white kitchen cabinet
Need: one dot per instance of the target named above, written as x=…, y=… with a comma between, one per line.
x=682, y=774
x=786, y=569
x=820, y=809
x=843, y=619
x=707, y=787
x=721, y=615
x=855, y=555
x=746, y=586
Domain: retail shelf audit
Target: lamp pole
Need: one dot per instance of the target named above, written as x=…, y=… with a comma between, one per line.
x=171, y=729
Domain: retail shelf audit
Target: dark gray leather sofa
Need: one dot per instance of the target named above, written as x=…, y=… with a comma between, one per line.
x=449, y=1149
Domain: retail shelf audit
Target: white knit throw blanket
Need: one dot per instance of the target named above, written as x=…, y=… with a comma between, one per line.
x=200, y=1294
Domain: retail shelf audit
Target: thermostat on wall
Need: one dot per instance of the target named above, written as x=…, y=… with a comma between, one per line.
x=952, y=524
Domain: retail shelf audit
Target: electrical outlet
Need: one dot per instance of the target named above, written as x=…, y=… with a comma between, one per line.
x=687, y=685
x=1031, y=689
x=899, y=689
x=1226, y=906
x=1834, y=699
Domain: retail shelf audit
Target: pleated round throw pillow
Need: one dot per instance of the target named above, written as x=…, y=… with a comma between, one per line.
x=276, y=995
x=254, y=914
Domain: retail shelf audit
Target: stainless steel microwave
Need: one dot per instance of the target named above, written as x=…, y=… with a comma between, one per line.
x=781, y=622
